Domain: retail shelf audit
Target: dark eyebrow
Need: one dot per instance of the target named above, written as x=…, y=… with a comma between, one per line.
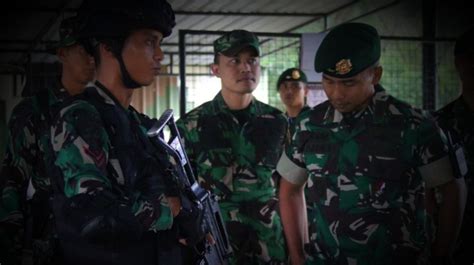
x=152, y=35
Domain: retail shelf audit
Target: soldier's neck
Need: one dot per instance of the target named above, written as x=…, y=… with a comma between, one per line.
x=72, y=85
x=115, y=86
x=236, y=101
x=292, y=112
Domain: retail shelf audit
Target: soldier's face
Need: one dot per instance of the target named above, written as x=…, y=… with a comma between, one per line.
x=142, y=55
x=77, y=63
x=351, y=94
x=292, y=93
x=239, y=74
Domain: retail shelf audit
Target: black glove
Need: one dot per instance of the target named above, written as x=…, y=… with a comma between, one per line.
x=441, y=260
x=190, y=221
x=102, y=218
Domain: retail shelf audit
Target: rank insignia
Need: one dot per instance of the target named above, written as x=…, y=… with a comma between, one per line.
x=343, y=67
x=295, y=75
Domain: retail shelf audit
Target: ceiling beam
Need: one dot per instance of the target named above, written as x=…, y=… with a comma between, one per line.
x=177, y=12
x=324, y=16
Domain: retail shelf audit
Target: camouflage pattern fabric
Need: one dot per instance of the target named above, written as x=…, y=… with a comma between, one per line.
x=292, y=121
x=85, y=156
x=457, y=119
x=24, y=172
x=236, y=161
x=365, y=194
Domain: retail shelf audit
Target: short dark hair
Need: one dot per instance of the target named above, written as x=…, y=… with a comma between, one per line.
x=216, y=58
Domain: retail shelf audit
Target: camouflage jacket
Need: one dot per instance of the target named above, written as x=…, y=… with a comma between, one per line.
x=236, y=162
x=87, y=153
x=457, y=119
x=364, y=175
x=292, y=120
x=24, y=167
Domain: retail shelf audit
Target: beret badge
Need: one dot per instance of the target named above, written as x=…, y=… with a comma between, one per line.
x=343, y=67
x=295, y=74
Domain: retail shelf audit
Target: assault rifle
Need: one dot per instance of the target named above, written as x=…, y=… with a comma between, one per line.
x=209, y=253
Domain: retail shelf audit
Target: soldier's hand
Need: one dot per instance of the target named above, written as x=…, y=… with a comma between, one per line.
x=190, y=221
x=209, y=240
x=175, y=205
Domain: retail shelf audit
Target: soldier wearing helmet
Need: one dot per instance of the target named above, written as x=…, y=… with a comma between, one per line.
x=116, y=201
x=26, y=230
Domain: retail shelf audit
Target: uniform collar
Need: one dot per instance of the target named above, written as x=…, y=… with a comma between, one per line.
x=220, y=105
x=305, y=108
x=105, y=94
x=377, y=107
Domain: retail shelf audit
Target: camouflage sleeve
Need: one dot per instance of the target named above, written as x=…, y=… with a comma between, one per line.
x=20, y=153
x=17, y=167
x=188, y=130
x=291, y=165
x=82, y=147
x=432, y=152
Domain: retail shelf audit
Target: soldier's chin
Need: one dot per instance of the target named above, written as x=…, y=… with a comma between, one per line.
x=248, y=89
x=342, y=108
x=252, y=89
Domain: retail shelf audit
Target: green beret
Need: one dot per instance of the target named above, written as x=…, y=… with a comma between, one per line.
x=234, y=41
x=347, y=50
x=68, y=32
x=292, y=74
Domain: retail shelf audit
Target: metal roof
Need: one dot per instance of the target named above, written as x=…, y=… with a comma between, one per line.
x=29, y=27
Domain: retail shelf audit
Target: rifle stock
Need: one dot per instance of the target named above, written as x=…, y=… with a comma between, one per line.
x=211, y=254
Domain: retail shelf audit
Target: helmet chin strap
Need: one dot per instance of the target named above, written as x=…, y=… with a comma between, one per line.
x=116, y=47
x=126, y=78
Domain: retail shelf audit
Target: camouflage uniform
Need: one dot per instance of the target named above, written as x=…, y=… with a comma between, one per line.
x=105, y=171
x=236, y=162
x=364, y=180
x=456, y=118
x=292, y=120
x=24, y=176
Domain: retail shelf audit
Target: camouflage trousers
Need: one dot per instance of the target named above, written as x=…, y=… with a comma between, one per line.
x=255, y=232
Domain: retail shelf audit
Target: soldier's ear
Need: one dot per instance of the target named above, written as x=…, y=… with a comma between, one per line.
x=215, y=70
x=61, y=53
x=378, y=70
x=105, y=49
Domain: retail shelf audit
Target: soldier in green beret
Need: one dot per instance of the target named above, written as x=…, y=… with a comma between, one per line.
x=291, y=86
x=366, y=158
x=25, y=221
x=234, y=142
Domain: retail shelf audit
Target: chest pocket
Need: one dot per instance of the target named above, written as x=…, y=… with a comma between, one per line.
x=214, y=142
x=320, y=151
x=267, y=135
x=383, y=156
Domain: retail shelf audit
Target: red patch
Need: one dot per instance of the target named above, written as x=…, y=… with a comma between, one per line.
x=97, y=156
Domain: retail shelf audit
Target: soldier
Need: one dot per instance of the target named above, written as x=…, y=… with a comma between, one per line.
x=25, y=226
x=115, y=200
x=366, y=157
x=234, y=142
x=293, y=91
x=456, y=119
